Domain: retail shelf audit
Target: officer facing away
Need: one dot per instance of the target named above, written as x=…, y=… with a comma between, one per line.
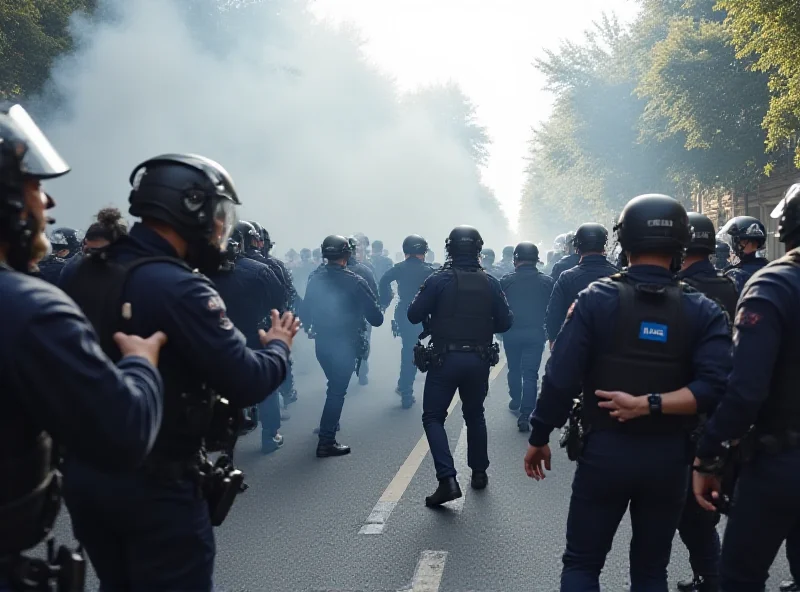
x=762, y=393
x=644, y=374
x=409, y=275
x=697, y=528
x=590, y=244
x=463, y=307
x=528, y=293
x=151, y=528
x=380, y=262
x=336, y=305
x=506, y=264
x=746, y=236
x=364, y=271
x=57, y=384
x=569, y=260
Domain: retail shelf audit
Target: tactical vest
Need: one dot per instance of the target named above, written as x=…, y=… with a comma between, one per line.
x=649, y=352
x=463, y=314
x=718, y=288
x=781, y=411
x=98, y=287
x=521, y=292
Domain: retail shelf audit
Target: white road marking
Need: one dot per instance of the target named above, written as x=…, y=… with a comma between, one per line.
x=460, y=461
x=429, y=572
x=376, y=522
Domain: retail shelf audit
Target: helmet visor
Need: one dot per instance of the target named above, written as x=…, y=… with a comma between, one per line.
x=38, y=157
x=224, y=221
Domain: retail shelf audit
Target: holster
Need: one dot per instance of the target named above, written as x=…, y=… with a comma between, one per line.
x=221, y=482
x=421, y=357
x=573, y=435
x=65, y=568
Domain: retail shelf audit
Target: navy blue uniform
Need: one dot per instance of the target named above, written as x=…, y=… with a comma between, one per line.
x=150, y=529
x=409, y=275
x=465, y=371
x=250, y=291
x=528, y=293
x=56, y=378
x=364, y=271
x=380, y=265
x=569, y=284
x=744, y=269
x=301, y=275
x=50, y=269
x=563, y=264
x=761, y=393
x=619, y=467
x=336, y=304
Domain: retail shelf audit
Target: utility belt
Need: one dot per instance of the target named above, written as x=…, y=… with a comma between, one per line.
x=219, y=481
x=62, y=571
x=573, y=435
x=362, y=347
x=432, y=356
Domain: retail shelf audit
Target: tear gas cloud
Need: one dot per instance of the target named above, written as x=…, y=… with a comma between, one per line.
x=317, y=141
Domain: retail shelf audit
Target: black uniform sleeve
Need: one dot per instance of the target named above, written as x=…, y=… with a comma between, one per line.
x=385, y=289
x=556, y=310
x=369, y=304
x=503, y=317
x=202, y=331
x=105, y=415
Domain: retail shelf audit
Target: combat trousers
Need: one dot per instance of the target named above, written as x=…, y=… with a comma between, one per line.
x=766, y=511
x=141, y=534
x=469, y=375
x=523, y=356
x=337, y=356
x=698, y=531
x=408, y=335
x=649, y=474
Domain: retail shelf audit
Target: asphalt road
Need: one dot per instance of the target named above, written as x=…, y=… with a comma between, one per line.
x=301, y=526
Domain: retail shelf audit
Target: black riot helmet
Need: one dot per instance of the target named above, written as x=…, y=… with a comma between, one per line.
x=590, y=238
x=25, y=154
x=703, y=235
x=65, y=238
x=742, y=228
x=525, y=251
x=246, y=235
x=569, y=240
x=508, y=251
x=787, y=212
x=414, y=244
x=653, y=223
x=488, y=256
x=464, y=240
x=259, y=230
x=193, y=195
x=722, y=254
x=335, y=247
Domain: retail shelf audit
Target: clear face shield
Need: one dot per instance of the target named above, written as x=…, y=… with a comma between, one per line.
x=38, y=157
x=224, y=221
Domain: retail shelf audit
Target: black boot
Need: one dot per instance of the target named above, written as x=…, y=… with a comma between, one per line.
x=479, y=480
x=408, y=402
x=513, y=406
x=326, y=449
x=789, y=586
x=447, y=491
x=699, y=584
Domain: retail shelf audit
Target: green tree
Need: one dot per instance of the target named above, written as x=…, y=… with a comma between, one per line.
x=32, y=34
x=769, y=30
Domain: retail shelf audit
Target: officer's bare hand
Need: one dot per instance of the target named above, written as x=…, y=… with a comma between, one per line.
x=133, y=345
x=623, y=406
x=706, y=488
x=534, y=459
x=284, y=328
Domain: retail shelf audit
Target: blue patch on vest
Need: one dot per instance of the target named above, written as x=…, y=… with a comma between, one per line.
x=653, y=332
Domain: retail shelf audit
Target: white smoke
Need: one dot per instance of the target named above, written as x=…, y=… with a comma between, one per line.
x=316, y=140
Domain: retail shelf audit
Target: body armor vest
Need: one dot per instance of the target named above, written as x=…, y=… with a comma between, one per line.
x=98, y=287
x=781, y=411
x=648, y=353
x=463, y=314
x=718, y=288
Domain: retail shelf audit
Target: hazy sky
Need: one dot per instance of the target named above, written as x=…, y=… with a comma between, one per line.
x=487, y=47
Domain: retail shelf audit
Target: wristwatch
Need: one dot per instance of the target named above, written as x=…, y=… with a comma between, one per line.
x=654, y=402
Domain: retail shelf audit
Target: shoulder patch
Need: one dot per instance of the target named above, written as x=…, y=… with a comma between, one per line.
x=571, y=310
x=746, y=318
x=215, y=303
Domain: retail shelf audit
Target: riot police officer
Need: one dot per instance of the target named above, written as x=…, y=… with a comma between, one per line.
x=760, y=412
x=487, y=262
x=558, y=252
x=364, y=271
x=569, y=260
x=722, y=255
x=648, y=355
x=506, y=264
x=151, y=529
x=250, y=291
x=337, y=303
x=409, y=275
x=745, y=236
x=380, y=262
x=463, y=307
x=590, y=244
x=528, y=292
x=697, y=527
x=107, y=228
x=316, y=257
x=57, y=384
x=303, y=271
x=66, y=245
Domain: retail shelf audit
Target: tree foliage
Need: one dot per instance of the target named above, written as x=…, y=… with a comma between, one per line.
x=769, y=32
x=32, y=34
